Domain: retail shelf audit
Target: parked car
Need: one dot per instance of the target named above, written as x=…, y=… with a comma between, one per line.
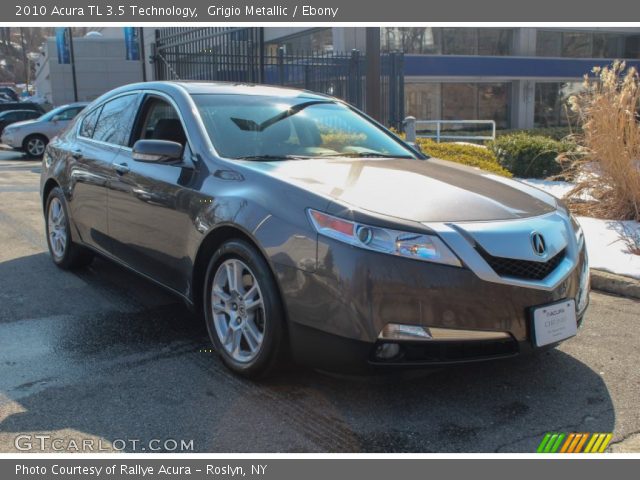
x=21, y=106
x=32, y=136
x=296, y=223
x=12, y=116
x=10, y=93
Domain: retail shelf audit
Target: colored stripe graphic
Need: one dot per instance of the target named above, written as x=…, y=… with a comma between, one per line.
x=574, y=443
x=582, y=442
x=543, y=443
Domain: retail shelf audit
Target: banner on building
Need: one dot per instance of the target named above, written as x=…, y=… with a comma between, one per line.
x=132, y=42
x=63, y=44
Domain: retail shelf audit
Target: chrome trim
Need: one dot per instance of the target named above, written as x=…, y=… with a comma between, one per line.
x=511, y=239
x=400, y=332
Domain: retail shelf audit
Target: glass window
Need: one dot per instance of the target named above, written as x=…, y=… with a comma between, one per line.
x=162, y=122
x=551, y=108
x=576, y=45
x=459, y=101
x=632, y=46
x=315, y=40
x=116, y=118
x=89, y=123
x=411, y=40
x=243, y=126
x=605, y=45
x=69, y=113
x=459, y=41
x=423, y=100
x=495, y=41
x=548, y=44
x=447, y=41
x=493, y=103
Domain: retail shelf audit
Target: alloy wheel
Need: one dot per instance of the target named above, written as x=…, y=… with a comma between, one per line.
x=238, y=310
x=35, y=147
x=57, y=228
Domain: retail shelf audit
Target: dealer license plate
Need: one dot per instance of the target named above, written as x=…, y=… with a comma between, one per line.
x=555, y=322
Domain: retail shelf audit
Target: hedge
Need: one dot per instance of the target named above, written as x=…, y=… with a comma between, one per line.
x=471, y=155
x=527, y=156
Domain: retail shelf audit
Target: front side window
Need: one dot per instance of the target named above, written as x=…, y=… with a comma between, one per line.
x=68, y=114
x=115, y=120
x=242, y=126
x=160, y=121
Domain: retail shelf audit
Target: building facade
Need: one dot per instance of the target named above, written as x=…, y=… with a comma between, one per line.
x=519, y=77
x=100, y=65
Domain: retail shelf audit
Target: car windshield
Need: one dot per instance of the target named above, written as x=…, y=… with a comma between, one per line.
x=52, y=113
x=257, y=127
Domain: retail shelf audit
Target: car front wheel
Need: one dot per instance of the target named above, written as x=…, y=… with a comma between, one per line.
x=65, y=253
x=34, y=145
x=243, y=310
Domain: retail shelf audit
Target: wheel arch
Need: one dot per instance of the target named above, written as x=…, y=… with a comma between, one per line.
x=212, y=241
x=49, y=185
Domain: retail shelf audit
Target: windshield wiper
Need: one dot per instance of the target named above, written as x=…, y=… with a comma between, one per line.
x=252, y=126
x=268, y=158
x=365, y=155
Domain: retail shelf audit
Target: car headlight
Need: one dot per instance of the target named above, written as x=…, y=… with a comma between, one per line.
x=418, y=246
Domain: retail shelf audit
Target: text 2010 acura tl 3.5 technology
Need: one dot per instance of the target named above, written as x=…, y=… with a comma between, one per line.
x=298, y=225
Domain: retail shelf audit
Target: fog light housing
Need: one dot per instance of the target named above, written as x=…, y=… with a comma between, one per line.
x=399, y=332
x=396, y=331
x=387, y=351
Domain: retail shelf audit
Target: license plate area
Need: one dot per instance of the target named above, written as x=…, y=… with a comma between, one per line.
x=554, y=322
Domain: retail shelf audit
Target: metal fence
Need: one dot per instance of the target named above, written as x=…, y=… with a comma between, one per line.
x=432, y=129
x=239, y=55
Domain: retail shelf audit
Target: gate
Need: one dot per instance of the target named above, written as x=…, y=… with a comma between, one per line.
x=238, y=55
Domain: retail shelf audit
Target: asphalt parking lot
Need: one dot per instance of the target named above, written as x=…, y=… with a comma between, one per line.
x=106, y=356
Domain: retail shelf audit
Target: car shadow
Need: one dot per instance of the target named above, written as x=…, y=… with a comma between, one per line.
x=104, y=354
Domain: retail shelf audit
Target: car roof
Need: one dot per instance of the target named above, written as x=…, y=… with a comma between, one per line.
x=75, y=104
x=230, y=88
x=24, y=110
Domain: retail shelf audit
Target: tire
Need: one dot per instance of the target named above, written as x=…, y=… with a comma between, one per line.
x=65, y=253
x=246, y=324
x=34, y=145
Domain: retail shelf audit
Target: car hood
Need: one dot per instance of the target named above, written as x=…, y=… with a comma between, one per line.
x=430, y=190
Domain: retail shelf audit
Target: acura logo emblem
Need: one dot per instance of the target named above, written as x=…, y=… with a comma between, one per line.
x=537, y=242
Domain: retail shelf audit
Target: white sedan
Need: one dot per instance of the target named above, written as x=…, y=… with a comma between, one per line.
x=32, y=136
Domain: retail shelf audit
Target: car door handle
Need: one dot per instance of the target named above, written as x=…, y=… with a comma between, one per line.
x=122, y=168
x=77, y=154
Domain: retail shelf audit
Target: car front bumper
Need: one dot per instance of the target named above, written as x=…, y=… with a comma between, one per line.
x=336, y=313
x=10, y=140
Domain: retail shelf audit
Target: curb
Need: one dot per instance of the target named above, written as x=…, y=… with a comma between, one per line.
x=616, y=284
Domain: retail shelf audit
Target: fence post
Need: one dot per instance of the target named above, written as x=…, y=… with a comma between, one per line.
x=438, y=132
x=410, y=129
x=392, y=87
x=281, y=65
x=353, y=96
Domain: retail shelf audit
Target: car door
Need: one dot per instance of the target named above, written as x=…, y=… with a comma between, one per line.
x=148, y=208
x=91, y=167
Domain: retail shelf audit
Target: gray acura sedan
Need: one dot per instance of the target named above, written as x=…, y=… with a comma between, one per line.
x=304, y=230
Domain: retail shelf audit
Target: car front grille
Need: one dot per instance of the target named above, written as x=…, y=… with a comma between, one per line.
x=524, y=269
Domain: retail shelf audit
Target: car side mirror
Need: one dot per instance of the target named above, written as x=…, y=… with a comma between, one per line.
x=55, y=118
x=157, y=151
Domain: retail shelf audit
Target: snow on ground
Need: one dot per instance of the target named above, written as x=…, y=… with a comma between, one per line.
x=605, y=245
x=555, y=188
x=607, y=250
